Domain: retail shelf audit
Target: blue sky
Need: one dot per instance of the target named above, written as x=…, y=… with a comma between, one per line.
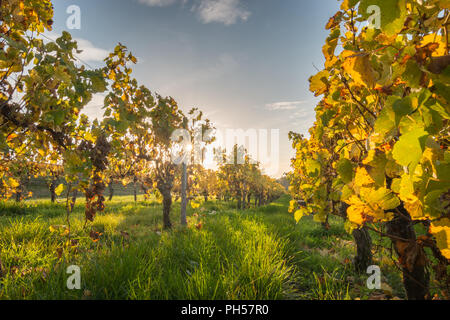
x=246, y=63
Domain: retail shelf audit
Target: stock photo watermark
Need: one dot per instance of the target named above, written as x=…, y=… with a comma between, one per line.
x=374, y=280
x=374, y=19
x=252, y=142
x=74, y=280
x=73, y=22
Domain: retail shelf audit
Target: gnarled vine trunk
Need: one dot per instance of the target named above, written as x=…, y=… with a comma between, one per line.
x=135, y=188
x=363, y=241
x=74, y=199
x=111, y=191
x=244, y=200
x=167, y=203
x=53, y=190
x=411, y=255
x=18, y=196
x=363, y=258
x=239, y=200
x=165, y=186
x=184, y=201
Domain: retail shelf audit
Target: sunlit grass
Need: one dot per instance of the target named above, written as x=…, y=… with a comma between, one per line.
x=259, y=253
x=231, y=257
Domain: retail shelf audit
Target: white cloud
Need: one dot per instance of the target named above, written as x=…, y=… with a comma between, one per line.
x=227, y=12
x=94, y=108
x=90, y=52
x=286, y=105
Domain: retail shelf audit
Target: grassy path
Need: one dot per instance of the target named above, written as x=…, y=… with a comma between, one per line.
x=225, y=254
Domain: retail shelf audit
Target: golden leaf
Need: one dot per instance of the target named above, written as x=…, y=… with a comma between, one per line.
x=441, y=45
x=441, y=230
x=358, y=66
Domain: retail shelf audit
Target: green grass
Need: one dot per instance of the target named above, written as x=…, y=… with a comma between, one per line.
x=253, y=254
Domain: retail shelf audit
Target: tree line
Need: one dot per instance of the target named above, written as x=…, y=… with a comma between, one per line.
x=43, y=132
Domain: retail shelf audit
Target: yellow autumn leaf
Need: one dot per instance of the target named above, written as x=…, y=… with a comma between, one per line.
x=299, y=214
x=435, y=38
x=370, y=206
x=362, y=178
x=441, y=230
x=13, y=183
x=292, y=205
x=89, y=137
x=414, y=206
x=444, y=4
x=11, y=137
x=358, y=133
x=347, y=4
x=319, y=83
x=411, y=202
x=195, y=205
x=380, y=199
x=358, y=66
x=355, y=212
x=59, y=189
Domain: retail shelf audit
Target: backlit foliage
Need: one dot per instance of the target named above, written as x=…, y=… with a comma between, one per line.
x=381, y=136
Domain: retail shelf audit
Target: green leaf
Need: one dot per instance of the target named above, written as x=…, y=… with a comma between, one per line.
x=393, y=14
x=411, y=122
x=412, y=73
x=3, y=145
x=313, y=168
x=58, y=116
x=385, y=123
x=376, y=166
x=345, y=170
x=432, y=119
x=406, y=186
x=396, y=185
x=62, y=75
x=384, y=198
x=401, y=108
x=98, y=84
x=443, y=90
x=409, y=149
x=346, y=193
x=327, y=116
x=442, y=111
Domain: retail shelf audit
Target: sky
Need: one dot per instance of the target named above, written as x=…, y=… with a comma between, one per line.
x=245, y=63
